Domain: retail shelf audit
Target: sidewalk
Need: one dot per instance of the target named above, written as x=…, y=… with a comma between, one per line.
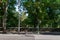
x=28, y=37
x=47, y=37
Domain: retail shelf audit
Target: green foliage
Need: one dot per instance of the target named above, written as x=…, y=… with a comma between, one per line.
x=12, y=21
x=42, y=10
x=38, y=10
x=4, y=1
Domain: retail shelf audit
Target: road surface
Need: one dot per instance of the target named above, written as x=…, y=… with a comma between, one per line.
x=28, y=37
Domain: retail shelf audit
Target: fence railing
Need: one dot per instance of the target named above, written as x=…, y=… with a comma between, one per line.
x=30, y=29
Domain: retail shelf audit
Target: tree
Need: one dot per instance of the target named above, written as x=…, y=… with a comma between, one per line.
x=7, y=14
x=12, y=16
x=42, y=10
x=4, y=12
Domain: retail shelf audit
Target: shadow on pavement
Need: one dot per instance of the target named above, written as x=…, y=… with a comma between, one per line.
x=50, y=33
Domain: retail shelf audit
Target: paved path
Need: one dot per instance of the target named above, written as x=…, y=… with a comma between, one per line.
x=16, y=37
x=47, y=37
x=28, y=37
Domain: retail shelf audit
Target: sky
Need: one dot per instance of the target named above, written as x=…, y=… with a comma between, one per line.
x=16, y=8
x=20, y=9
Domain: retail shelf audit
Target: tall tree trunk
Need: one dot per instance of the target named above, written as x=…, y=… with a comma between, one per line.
x=5, y=16
x=19, y=16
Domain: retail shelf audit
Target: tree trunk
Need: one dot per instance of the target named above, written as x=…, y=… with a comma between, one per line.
x=4, y=16
x=19, y=16
x=4, y=24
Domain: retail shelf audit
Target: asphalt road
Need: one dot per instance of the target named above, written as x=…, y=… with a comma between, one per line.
x=28, y=37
